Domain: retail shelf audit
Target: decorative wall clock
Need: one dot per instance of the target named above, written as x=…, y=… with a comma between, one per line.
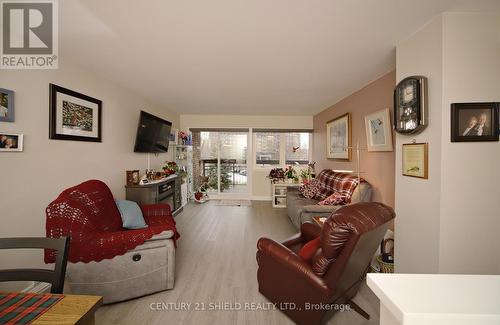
x=410, y=105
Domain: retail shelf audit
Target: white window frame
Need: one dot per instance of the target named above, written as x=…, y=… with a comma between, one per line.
x=218, y=194
x=282, y=162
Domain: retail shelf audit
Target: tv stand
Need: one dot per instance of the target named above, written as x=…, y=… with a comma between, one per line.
x=167, y=190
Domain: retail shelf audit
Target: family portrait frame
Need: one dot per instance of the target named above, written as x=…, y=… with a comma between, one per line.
x=474, y=122
x=11, y=142
x=338, y=138
x=6, y=105
x=74, y=116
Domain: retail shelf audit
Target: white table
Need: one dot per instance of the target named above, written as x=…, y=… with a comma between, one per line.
x=278, y=191
x=437, y=299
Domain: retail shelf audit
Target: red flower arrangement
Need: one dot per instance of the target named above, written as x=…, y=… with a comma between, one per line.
x=170, y=168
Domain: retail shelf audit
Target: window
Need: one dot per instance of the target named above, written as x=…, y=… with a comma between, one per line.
x=297, y=148
x=267, y=148
x=209, y=143
x=223, y=161
x=278, y=149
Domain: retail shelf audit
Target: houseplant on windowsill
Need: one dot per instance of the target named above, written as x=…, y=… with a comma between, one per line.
x=290, y=174
x=276, y=175
x=305, y=174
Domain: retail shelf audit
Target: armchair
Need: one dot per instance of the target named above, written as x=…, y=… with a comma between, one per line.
x=105, y=259
x=348, y=240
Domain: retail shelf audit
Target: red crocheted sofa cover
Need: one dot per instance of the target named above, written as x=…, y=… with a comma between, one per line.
x=89, y=215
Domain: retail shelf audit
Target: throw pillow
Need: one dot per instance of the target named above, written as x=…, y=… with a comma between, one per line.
x=335, y=199
x=131, y=214
x=310, y=189
x=309, y=249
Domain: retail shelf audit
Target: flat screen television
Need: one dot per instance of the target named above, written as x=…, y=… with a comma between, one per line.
x=153, y=134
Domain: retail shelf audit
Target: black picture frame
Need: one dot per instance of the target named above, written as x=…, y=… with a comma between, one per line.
x=462, y=119
x=54, y=90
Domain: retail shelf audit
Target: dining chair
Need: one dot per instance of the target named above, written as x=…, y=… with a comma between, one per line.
x=54, y=277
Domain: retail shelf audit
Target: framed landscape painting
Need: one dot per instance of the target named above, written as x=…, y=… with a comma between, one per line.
x=378, y=131
x=338, y=138
x=74, y=116
x=6, y=105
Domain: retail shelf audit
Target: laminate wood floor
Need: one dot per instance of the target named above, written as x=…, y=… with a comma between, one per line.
x=215, y=264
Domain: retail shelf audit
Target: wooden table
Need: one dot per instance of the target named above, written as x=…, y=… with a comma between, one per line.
x=72, y=309
x=318, y=221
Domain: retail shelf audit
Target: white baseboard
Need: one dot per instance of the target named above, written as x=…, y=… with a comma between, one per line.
x=261, y=198
x=38, y=287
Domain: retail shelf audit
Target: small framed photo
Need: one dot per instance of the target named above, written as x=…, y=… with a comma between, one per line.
x=174, y=136
x=6, y=105
x=338, y=138
x=474, y=122
x=416, y=160
x=74, y=116
x=378, y=131
x=10, y=142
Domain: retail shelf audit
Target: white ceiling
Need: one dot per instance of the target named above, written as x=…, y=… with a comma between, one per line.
x=272, y=57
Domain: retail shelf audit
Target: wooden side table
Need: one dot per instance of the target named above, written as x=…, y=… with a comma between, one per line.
x=279, y=193
x=319, y=220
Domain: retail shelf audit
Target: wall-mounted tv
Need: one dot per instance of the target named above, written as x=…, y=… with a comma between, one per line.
x=153, y=134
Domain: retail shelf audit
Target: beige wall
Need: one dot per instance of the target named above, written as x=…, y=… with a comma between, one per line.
x=261, y=188
x=449, y=223
x=470, y=207
x=378, y=167
x=246, y=121
x=417, y=200
x=30, y=180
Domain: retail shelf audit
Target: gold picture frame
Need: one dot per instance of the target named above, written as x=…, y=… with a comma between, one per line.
x=416, y=160
x=338, y=138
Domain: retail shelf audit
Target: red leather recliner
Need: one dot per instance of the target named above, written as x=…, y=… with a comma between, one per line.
x=302, y=290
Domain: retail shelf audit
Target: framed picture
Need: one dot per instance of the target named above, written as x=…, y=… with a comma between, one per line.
x=74, y=116
x=11, y=142
x=416, y=160
x=174, y=134
x=6, y=105
x=338, y=138
x=474, y=122
x=378, y=131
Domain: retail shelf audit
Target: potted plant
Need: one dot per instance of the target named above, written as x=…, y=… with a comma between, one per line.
x=290, y=174
x=185, y=138
x=305, y=174
x=201, y=195
x=276, y=175
x=213, y=180
x=170, y=168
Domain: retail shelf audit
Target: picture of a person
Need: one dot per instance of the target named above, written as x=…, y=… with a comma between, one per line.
x=3, y=139
x=3, y=106
x=10, y=144
x=481, y=128
x=470, y=126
